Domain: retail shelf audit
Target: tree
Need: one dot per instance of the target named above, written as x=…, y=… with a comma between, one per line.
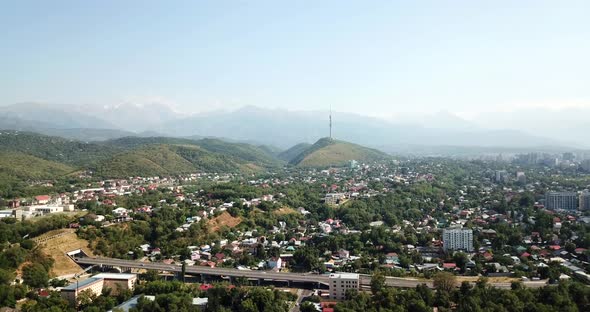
x=86, y=297
x=6, y=276
x=377, y=282
x=241, y=281
x=461, y=260
x=444, y=281
x=35, y=275
x=58, y=282
x=151, y=275
x=306, y=258
x=307, y=307
x=27, y=244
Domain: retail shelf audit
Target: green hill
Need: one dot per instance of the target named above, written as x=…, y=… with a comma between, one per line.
x=132, y=142
x=327, y=152
x=290, y=154
x=247, y=152
x=129, y=156
x=27, y=167
x=241, y=151
x=145, y=161
x=56, y=149
x=164, y=159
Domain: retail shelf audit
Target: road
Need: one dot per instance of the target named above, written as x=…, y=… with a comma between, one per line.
x=365, y=280
x=266, y=275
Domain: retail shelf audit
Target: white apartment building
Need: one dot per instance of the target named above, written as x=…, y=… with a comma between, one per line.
x=341, y=282
x=561, y=200
x=458, y=239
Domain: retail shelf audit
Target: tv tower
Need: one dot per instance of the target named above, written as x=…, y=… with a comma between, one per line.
x=330, y=121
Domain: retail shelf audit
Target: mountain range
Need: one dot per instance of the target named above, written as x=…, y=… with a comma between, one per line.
x=271, y=127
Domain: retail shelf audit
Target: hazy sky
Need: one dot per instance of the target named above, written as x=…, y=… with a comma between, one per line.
x=369, y=57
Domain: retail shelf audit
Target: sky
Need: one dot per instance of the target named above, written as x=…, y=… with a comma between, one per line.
x=378, y=58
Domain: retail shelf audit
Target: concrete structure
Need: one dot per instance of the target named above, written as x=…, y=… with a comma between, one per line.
x=458, y=239
x=201, y=303
x=275, y=263
x=268, y=275
x=342, y=282
x=72, y=291
x=42, y=199
x=131, y=303
x=6, y=214
x=521, y=177
x=561, y=200
x=118, y=282
x=334, y=198
x=44, y=209
x=585, y=200
x=501, y=176
x=96, y=284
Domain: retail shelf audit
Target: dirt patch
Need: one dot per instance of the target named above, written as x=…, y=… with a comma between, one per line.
x=284, y=211
x=474, y=279
x=224, y=219
x=60, y=242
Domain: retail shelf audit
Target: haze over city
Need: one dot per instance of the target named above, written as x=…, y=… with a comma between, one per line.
x=499, y=65
x=294, y=156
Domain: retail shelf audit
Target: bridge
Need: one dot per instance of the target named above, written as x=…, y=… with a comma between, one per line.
x=200, y=270
x=365, y=280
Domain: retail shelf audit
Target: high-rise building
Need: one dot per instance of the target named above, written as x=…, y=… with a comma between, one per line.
x=521, y=177
x=561, y=200
x=458, y=239
x=568, y=156
x=585, y=200
x=501, y=176
x=341, y=282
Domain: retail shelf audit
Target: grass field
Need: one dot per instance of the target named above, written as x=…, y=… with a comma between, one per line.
x=63, y=241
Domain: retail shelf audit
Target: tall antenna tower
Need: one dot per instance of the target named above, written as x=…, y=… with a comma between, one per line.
x=330, y=121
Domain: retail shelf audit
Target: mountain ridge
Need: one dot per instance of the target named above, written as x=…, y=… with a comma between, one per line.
x=278, y=127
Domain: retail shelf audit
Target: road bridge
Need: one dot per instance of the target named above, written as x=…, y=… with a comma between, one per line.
x=365, y=280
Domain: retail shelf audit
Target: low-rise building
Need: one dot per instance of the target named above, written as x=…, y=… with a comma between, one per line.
x=342, y=282
x=118, y=282
x=115, y=281
x=275, y=263
x=72, y=291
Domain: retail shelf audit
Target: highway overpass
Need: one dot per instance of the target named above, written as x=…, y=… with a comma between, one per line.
x=255, y=274
x=365, y=280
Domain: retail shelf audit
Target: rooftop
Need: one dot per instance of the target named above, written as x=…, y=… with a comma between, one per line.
x=131, y=303
x=81, y=284
x=121, y=276
x=345, y=275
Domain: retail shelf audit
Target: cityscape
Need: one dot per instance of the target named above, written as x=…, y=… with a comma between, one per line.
x=294, y=157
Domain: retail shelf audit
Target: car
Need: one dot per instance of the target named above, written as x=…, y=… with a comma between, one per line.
x=142, y=264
